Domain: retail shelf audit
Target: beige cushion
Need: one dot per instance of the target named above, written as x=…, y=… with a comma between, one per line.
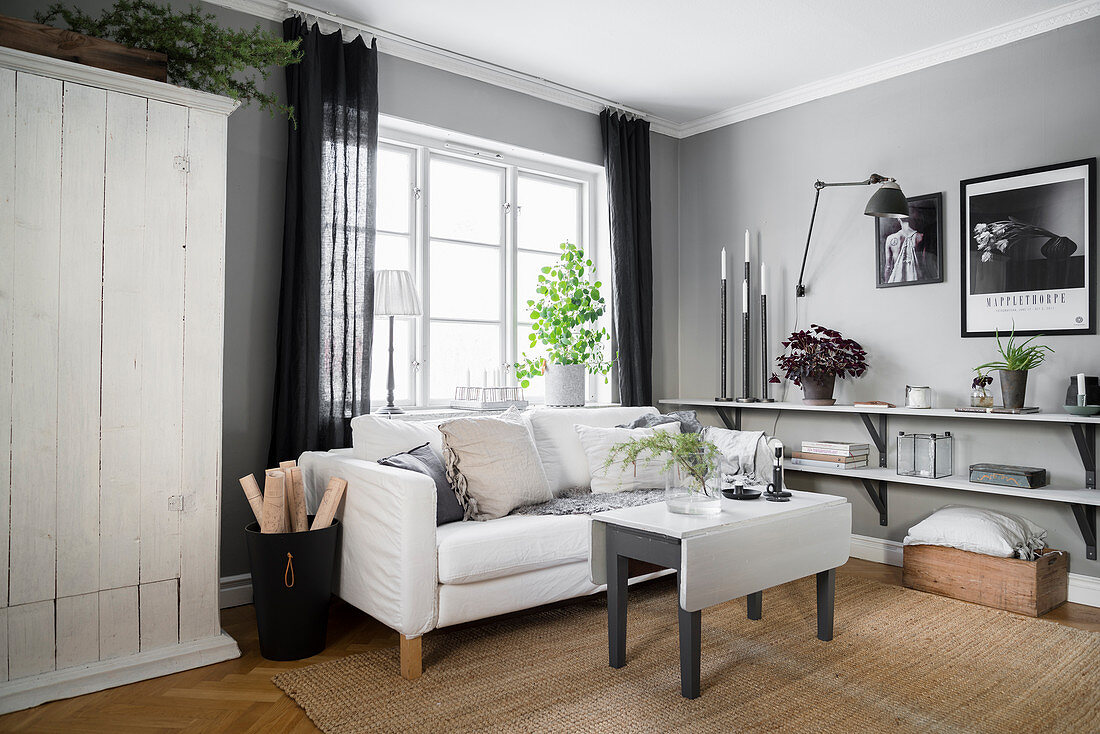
x=648, y=473
x=493, y=465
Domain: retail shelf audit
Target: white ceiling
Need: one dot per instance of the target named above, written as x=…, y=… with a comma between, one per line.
x=689, y=59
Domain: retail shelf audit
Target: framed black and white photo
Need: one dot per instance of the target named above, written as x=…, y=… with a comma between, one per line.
x=1029, y=251
x=909, y=250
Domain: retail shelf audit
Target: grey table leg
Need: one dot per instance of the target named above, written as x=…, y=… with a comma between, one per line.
x=690, y=641
x=616, y=605
x=756, y=605
x=826, y=597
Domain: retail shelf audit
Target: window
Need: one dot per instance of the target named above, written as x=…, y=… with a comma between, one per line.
x=474, y=233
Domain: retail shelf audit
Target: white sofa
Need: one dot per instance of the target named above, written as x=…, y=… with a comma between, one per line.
x=401, y=569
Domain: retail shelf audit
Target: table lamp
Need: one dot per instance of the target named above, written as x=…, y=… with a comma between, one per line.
x=394, y=295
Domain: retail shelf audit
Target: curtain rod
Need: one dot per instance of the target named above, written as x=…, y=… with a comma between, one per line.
x=297, y=8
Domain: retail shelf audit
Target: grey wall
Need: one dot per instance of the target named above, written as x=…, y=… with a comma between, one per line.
x=1028, y=104
x=254, y=224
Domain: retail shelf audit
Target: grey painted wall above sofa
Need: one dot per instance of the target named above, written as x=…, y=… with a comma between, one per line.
x=1028, y=104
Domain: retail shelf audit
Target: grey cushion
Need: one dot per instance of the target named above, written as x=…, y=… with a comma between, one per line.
x=423, y=459
x=688, y=420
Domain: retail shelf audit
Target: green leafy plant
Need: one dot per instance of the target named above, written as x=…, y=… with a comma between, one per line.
x=565, y=316
x=696, y=457
x=201, y=54
x=1022, y=356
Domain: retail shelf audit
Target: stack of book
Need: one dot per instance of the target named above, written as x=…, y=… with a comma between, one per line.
x=832, y=454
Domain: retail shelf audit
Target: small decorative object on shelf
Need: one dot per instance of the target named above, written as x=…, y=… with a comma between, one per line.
x=815, y=358
x=980, y=397
x=775, y=491
x=1016, y=360
x=999, y=409
x=918, y=396
x=746, y=326
x=488, y=398
x=690, y=462
x=1007, y=475
x=924, y=454
x=873, y=404
x=1083, y=390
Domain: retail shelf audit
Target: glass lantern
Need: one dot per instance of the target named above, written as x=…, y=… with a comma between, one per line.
x=694, y=488
x=924, y=454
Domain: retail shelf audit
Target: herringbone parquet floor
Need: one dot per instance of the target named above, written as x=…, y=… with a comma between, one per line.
x=238, y=696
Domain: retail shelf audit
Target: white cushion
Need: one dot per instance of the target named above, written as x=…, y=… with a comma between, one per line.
x=979, y=531
x=559, y=447
x=647, y=473
x=374, y=437
x=476, y=551
x=493, y=465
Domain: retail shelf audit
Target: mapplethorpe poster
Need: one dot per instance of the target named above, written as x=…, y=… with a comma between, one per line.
x=1029, y=251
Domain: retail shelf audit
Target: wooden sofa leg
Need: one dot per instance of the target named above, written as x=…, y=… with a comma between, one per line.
x=411, y=665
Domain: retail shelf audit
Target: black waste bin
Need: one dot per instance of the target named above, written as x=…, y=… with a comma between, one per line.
x=291, y=587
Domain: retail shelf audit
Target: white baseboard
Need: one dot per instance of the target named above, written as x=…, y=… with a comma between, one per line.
x=1082, y=589
x=26, y=692
x=234, y=591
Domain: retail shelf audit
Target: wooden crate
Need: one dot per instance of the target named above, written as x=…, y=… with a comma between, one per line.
x=62, y=44
x=1025, y=587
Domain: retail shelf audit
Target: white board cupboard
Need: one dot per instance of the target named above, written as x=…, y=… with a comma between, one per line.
x=112, y=240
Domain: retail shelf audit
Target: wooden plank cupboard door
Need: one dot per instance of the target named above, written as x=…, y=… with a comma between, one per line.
x=33, y=550
x=202, y=375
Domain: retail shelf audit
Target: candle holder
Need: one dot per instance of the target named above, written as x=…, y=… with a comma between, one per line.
x=723, y=398
x=765, y=387
x=746, y=323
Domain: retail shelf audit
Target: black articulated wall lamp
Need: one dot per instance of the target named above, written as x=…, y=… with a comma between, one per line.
x=888, y=201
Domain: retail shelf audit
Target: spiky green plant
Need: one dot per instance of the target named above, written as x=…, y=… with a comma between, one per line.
x=201, y=54
x=1018, y=356
x=696, y=457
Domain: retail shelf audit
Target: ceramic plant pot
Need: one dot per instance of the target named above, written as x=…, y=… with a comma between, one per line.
x=565, y=385
x=818, y=393
x=1013, y=388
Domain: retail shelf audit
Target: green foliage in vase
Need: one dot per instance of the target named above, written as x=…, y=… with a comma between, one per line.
x=201, y=54
x=565, y=316
x=696, y=457
x=1018, y=356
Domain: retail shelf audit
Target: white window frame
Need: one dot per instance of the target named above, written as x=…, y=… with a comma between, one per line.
x=513, y=162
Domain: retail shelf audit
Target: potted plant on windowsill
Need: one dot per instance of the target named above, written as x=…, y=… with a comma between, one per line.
x=814, y=359
x=565, y=320
x=1016, y=360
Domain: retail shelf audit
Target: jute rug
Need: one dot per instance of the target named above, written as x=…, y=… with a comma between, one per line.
x=900, y=661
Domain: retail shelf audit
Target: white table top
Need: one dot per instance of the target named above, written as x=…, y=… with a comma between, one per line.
x=656, y=518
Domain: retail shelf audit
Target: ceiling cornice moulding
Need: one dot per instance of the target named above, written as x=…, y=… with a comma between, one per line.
x=1002, y=35
x=412, y=50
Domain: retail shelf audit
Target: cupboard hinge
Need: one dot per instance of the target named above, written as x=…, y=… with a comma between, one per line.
x=182, y=163
x=175, y=503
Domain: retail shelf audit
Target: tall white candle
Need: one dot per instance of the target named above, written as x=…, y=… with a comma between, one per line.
x=745, y=296
x=763, y=280
x=723, y=263
x=748, y=240
x=485, y=378
x=1080, y=383
x=468, y=383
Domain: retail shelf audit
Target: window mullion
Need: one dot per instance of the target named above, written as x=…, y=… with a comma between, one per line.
x=423, y=231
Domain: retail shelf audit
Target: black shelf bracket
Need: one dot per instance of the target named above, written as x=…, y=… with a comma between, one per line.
x=878, y=497
x=1086, y=521
x=878, y=436
x=731, y=416
x=1084, y=435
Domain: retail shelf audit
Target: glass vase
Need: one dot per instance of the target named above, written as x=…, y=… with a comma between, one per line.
x=693, y=488
x=980, y=398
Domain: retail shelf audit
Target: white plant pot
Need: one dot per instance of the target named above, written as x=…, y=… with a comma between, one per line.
x=565, y=385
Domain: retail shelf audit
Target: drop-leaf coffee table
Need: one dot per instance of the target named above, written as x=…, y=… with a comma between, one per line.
x=748, y=547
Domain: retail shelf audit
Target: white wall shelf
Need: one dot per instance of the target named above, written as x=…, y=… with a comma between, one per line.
x=1082, y=500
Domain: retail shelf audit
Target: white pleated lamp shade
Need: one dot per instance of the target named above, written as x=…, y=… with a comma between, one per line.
x=395, y=294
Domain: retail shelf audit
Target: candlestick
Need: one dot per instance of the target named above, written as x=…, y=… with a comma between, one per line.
x=722, y=359
x=746, y=326
x=765, y=387
x=723, y=263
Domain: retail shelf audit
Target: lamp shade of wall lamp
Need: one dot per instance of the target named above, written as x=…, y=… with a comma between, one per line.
x=888, y=201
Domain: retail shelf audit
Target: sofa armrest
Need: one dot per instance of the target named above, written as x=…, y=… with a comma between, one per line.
x=388, y=548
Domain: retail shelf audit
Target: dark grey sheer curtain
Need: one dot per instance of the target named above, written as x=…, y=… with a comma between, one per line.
x=326, y=299
x=626, y=161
